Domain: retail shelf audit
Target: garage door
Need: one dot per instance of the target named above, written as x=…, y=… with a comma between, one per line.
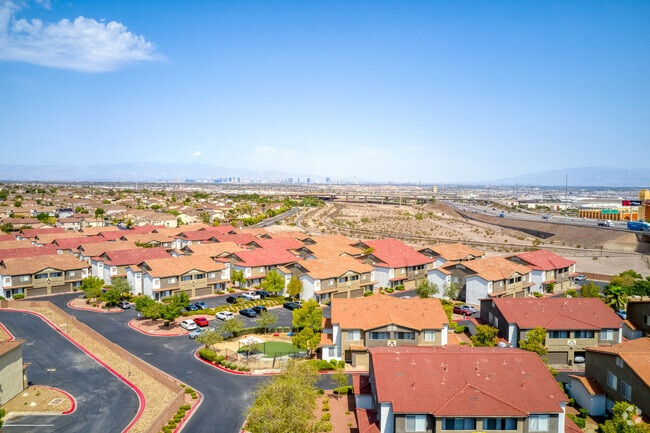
x=189, y=292
x=557, y=358
x=360, y=359
x=340, y=295
x=356, y=293
x=35, y=292
x=408, y=285
x=521, y=294
x=203, y=291
x=60, y=289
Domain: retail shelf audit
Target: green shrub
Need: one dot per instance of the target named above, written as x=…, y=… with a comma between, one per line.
x=572, y=402
x=247, y=368
x=326, y=416
x=171, y=423
x=231, y=290
x=389, y=290
x=166, y=300
x=341, y=364
x=333, y=362
x=94, y=303
x=208, y=355
x=188, y=390
x=177, y=418
x=460, y=329
x=287, y=329
x=583, y=412
x=324, y=426
x=369, y=293
x=580, y=422
x=219, y=359
x=326, y=400
x=241, y=368
x=181, y=413
x=343, y=390
x=326, y=408
x=538, y=295
x=167, y=429
x=324, y=366
x=19, y=296
x=320, y=392
x=399, y=287
x=194, y=396
x=186, y=407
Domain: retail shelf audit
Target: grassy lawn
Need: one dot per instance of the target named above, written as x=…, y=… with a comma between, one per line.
x=280, y=347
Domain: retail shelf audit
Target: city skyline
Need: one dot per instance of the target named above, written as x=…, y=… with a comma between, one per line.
x=431, y=92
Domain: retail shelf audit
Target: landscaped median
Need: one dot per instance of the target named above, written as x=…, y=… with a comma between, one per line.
x=40, y=400
x=160, y=397
x=84, y=304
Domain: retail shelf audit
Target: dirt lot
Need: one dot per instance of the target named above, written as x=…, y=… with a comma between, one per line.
x=38, y=399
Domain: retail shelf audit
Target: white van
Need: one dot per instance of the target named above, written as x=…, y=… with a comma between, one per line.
x=605, y=223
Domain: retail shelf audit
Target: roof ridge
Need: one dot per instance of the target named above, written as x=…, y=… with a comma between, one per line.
x=468, y=385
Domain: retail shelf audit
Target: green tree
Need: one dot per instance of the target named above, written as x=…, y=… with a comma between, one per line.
x=535, y=341
x=92, y=287
x=141, y=302
x=232, y=326
x=237, y=277
x=571, y=293
x=111, y=297
x=249, y=348
x=616, y=297
x=589, y=291
x=209, y=338
x=294, y=288
x=426, y=289
x=306, y=339
x=308, y=316
x=43, y=217
x=485, y=336
x=121, y=285
x=7, y=227
x=273, y=282
x=99, y=212
x=621, y=420
x=285, y=402
x=18, y=203
x=340, y=378
x=267, y=319
x=173, y=309
x=450, y=290
x=153, y=311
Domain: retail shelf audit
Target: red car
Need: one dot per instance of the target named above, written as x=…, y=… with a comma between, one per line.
x=465, y=310
x=201, y=321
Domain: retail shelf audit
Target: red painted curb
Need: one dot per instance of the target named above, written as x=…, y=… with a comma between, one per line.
x=91, y=309
x=11, y=336
x=153, y=335
x=71, y=398
x=135, y=388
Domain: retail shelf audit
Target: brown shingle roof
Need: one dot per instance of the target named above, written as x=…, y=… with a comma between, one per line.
x=175, y=266
x=7, y=345
x=454, y=252
x=213, y=249
x=31, y=265
x=333, y=267
x=591, y=385
x=495, y=268
x=15, y=244
x=380, y=310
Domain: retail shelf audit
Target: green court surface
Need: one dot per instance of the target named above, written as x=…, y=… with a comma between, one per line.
x=279, y=347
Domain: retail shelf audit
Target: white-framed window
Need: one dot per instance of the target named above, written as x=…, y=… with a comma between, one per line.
x=261, y=270
x=70, y=273
x=607, y=334
x=330, y=282
x=156, y=282
x=538, y=423
x=611, y=380
x=496, y=322
x=619, y=361
x=405, y=335
x=626, y=390
x=646, y=319
x=212, y=275
x=354, y=335
x=8, y=280
x=171, y=280
x=113, y=270
x=416, y=423
x=429, y=335
x=490, y=317
x=24, y=278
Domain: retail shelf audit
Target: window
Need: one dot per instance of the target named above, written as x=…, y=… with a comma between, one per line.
x=261, y=269
x=354, y=335
x=24, y=278
x=538, y=423
x=40, y=276
x=619, y=361
x=186, y=277
x=330, y=282
x=611, y=381
x=558, y=334
x=646, y=319
x=343, y=279
x=199, y=276
x=584, y=334
x=56, y=274
x=379, y=335
x=496, y=322
x=354, y=277
x=401, y=271
x=459, y=424
x=212, y=275
x=626, y=390
x=499, y=424
x=405, y=335
x=430, y=335
x=7, y=280
x=607, y=334
x=171, y=280
x=416, y=423
x=70, y=274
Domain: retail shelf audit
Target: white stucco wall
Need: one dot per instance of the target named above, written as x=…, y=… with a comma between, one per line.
x=475, y=288
x=594, y=404
x=386, y=418
x=382, y=276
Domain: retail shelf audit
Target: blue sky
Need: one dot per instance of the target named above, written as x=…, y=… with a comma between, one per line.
x=431, y=91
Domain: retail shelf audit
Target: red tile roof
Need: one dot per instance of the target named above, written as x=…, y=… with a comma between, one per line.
x=468, y=381
x=264, y=257
x=73, y=243
x=544, y=260
x=222, y=230
x=30, y=233
x=395, y=254
x=558, y=313
x=4, y=238
x=45, y=250
x=133, y=256
x=113, y=234
x=367, y=421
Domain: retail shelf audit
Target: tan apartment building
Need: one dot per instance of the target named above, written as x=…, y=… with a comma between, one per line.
x=333, y=277
x=257, y=263
x=113, y=263
x=550, y=273
x=444, y=253
x=13, y=379
x=358, y=324
x=41, y=275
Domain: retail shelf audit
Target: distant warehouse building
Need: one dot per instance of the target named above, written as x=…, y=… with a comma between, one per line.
x=609, y=213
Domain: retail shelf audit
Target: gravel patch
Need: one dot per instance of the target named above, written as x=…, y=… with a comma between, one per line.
x=38, y=399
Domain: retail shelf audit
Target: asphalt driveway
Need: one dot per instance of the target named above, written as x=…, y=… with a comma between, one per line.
x=104, y=402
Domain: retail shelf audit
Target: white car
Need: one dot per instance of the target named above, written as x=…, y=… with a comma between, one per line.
x=580, y=278
x=224, y=315
x=252, y=295
x=188, y=324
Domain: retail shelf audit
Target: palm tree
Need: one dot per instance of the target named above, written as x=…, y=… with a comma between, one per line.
x=616, y=297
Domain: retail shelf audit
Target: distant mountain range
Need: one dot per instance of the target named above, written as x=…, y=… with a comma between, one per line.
x=139, y=172
x=584, y=176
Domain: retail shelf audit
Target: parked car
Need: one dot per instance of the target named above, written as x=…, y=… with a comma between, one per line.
x=197, y=332
x=123, y=305
x=291, y=306
x=578, y=359
x=253, y=295
x=248, y=312
x=231, y=300
x=191, y=307
x=259, y=309
x=245, y=297
x=201, y=305
x=224, y=315
x=580, y=278
x=469, y=310
x=263, y=294
x=188, y=324
x=201, y=321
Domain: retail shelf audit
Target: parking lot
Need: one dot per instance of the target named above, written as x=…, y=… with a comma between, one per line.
x=285, y=317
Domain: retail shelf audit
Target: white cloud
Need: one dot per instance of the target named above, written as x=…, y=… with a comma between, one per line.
x=83, y=44
x=265, y=149
x=196, y=154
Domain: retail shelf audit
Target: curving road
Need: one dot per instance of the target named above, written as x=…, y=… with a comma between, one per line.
x=104, y=402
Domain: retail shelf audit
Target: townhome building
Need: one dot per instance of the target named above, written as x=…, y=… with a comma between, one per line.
x=616, y=373
x=212, y=250
x=571, y=324
x=195, y=275
x=333, y=277
x=550, y=273
x=482, y=278
x=41, y=275
x=395, y=262
x=194, y=237
x=638, y=313
x=359, y=324
x=86, y=251
x=444, y=253
x=460, y=388
x=71, y=245
x=72, y=223
x=113, y=263
x=30, y=234
x=149, y=240
x=257, y=263
x=95, y=231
